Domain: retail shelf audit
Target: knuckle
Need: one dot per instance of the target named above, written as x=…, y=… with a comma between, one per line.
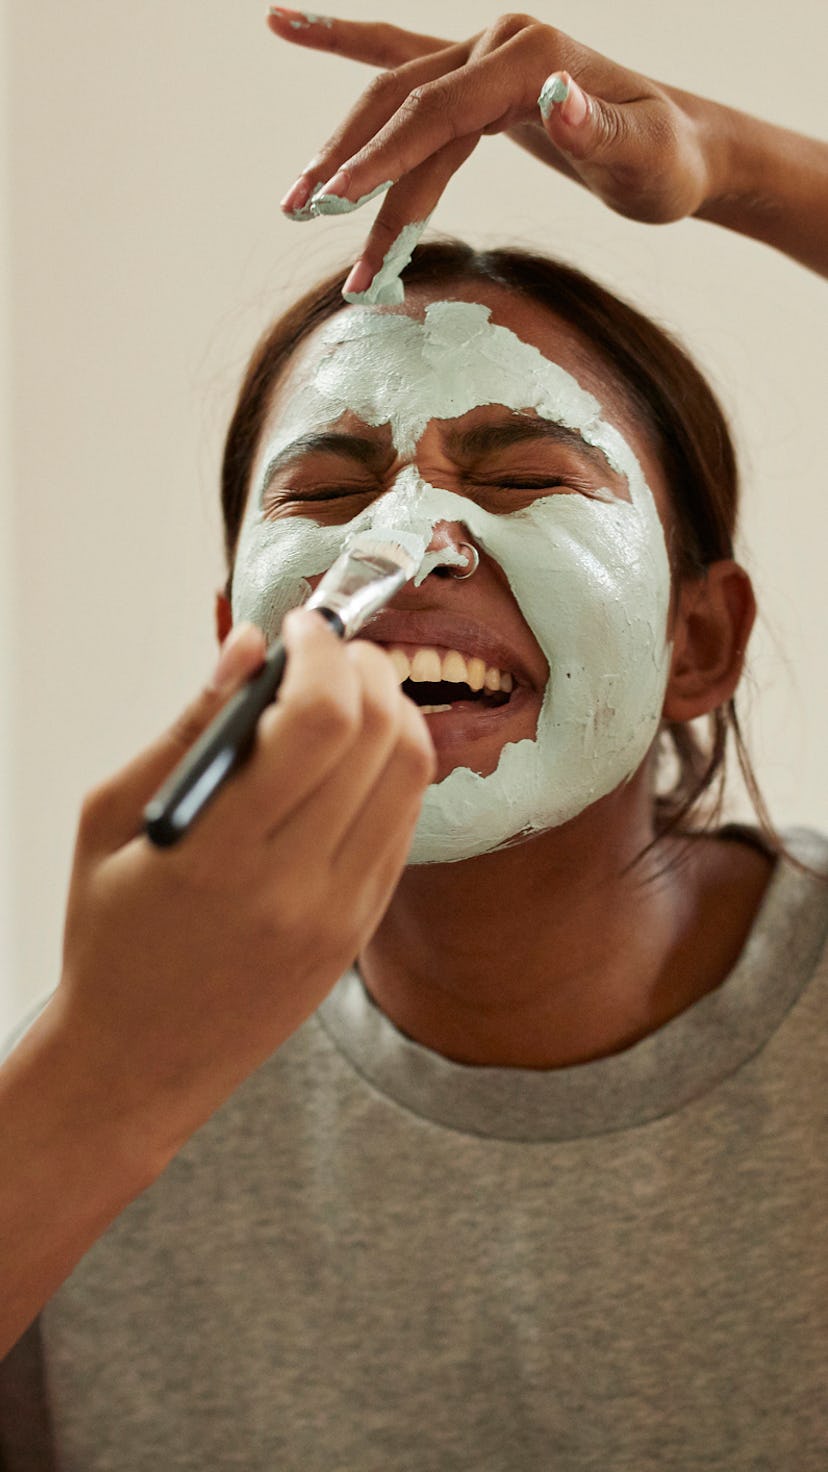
x=509, y=25
x=278, y=915
x=316, y=717
x=329, y=717
x=381, y=87
x=535, y=35
x=420, y=102
x=431, y=109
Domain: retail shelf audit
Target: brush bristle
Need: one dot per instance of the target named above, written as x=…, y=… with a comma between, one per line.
x=405, y=549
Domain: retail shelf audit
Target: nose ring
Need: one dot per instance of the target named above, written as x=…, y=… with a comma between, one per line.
x=473, y=562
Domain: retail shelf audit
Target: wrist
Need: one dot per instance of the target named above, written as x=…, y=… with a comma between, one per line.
x=717, y=142
x=738, y=171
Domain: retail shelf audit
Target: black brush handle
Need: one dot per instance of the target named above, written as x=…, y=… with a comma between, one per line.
x=221, y=749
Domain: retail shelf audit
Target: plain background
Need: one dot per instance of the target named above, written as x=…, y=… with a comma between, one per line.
x=144, y=149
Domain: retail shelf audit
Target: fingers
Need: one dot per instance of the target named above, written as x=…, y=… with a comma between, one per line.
x=299, y=740
x=367, y=881
x=616, y=132
x=413, y=199
x=386, y=734
x=372, y=42
x=319, y=750
x=637, y=153
x=378, y=103
x=580, y=124
x=112, y=812
x=498, y=90
x=395, y=798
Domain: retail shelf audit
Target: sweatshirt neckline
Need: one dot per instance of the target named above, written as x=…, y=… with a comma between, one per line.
x=680, y=1062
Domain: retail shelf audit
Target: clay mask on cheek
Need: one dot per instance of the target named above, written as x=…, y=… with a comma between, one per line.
x=590, y=575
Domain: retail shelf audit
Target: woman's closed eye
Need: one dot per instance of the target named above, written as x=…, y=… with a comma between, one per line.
x=497, y=491
x=539, y=470
x=500, y=492
x=281, y=499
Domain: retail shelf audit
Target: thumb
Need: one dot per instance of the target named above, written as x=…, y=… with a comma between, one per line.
x=112, y=813
x=580, y=125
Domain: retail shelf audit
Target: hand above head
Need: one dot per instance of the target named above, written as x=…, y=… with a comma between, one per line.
x=626, y=138
x=649, y=151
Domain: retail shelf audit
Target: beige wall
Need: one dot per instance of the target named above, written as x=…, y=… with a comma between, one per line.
x=8, y=952
x=148, y=146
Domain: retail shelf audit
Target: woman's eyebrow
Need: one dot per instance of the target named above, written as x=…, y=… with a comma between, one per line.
x=370, y=453
x=486, y=439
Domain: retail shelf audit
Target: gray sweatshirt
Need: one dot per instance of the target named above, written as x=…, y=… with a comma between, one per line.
x=374, y=1259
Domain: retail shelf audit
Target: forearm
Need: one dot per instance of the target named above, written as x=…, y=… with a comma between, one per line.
x=767, y=182
x=68, y=1166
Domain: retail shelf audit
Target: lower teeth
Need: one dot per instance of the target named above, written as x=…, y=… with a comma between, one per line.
x=430, y=710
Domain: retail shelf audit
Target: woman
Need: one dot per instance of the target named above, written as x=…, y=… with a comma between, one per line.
x=534, y=1185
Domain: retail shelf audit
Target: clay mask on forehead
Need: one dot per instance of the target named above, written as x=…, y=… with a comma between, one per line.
x=590, y=575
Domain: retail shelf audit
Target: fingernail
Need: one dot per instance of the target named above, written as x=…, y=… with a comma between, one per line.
x=297, y=196
x=300, y=19
x=554, y=90
x=359, y=278
x=338, y=185
x=575, y=106
x=232, y=664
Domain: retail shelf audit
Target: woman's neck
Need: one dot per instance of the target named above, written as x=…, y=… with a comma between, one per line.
x=562, y=949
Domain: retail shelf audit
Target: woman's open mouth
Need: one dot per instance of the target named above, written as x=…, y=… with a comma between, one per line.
x=437, y=679
x=465, y=698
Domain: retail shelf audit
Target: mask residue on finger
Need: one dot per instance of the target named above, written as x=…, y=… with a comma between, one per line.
x=306, y=18
x=321, y=203
x=386, y=289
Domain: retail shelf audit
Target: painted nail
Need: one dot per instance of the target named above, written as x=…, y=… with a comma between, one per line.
x=575, y=106
x=360, y=277
x=300, y=19
x=297, y=196
x=554, y=90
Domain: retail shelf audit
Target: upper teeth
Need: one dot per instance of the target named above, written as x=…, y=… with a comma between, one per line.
x=431, y=665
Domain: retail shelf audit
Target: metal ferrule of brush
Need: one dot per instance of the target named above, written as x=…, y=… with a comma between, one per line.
x=355, y=587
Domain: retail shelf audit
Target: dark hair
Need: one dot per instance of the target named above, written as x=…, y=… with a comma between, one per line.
x=674, y=402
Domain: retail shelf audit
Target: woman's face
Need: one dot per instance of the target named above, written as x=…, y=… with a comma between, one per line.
x=479, y=418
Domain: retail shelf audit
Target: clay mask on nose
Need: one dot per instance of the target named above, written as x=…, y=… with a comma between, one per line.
x=590, y=574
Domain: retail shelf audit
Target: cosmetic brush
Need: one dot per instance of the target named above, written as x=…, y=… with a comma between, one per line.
x=364, y=578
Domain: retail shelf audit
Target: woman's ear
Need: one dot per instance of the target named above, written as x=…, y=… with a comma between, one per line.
x=224, y=617
x=713, y=622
